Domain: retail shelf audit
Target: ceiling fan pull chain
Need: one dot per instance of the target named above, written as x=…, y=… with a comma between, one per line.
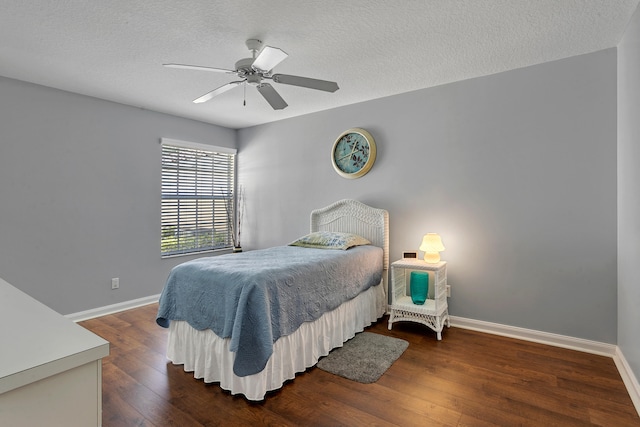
x=244, y=101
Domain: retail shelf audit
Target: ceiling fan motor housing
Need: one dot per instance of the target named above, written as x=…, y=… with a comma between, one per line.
x=243, y=66
x=244, y=69
x=254, y=79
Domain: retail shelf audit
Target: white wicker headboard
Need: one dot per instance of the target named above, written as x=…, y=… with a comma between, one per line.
x=352, y=216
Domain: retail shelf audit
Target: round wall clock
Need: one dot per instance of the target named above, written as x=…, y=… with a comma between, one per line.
x=353, y=153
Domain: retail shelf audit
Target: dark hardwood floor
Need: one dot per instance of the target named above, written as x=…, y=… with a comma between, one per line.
x=467, y=379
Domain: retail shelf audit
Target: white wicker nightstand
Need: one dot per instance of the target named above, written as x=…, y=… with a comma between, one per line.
x=434, y=313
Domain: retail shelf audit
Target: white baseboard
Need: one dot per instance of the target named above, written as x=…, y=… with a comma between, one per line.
x=628, y=377
x=555, y=340
x=110, y=309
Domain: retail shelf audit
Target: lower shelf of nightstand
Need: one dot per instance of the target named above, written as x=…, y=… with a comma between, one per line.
x=405, y=310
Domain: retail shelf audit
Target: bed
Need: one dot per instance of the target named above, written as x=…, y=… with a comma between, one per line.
x=250, y=323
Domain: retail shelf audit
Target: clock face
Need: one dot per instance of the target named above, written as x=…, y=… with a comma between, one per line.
x=354, y=153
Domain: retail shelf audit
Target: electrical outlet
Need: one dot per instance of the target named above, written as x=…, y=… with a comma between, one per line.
x=115, y=283
x=449, y=291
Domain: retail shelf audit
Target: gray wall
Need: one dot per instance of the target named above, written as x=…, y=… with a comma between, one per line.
x=80, y=195
x=628, y=193
x=516, y=171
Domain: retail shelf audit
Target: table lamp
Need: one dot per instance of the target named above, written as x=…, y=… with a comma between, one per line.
x=432, y=246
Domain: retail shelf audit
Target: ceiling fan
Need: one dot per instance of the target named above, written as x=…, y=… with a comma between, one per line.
x=254, y=70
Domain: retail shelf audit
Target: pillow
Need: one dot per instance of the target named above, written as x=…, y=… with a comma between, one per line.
x=330, y=240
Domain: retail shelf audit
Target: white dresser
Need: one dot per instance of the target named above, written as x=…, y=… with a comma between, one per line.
x=50, y=368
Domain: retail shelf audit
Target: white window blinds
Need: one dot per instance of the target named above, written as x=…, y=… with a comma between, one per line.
x=197, y=197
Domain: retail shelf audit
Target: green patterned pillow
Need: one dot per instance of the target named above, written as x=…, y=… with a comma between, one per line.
x=330, y=240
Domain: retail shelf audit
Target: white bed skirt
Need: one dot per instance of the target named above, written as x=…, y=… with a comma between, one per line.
x=208, y=356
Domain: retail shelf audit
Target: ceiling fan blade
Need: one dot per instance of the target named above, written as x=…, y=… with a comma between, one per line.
x=272, y=97
x=268, y=58
x=199, y=68
x=286, y=79
x=222, y=89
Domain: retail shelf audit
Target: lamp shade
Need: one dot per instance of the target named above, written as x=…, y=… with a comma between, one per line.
x=432, y=246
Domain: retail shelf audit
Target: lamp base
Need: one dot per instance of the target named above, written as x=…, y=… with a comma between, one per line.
x=432, y=257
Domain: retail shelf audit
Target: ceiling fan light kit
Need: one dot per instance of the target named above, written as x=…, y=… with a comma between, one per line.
x=254, y=70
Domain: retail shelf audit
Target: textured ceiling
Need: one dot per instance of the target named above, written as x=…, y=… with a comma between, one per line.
x=115, y=49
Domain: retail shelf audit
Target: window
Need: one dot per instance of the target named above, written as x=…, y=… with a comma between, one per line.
x=197, y=197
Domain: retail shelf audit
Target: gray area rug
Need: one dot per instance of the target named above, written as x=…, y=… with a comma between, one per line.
x=364, y=358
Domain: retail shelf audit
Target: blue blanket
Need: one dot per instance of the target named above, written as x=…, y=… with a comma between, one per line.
x=256, y=297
